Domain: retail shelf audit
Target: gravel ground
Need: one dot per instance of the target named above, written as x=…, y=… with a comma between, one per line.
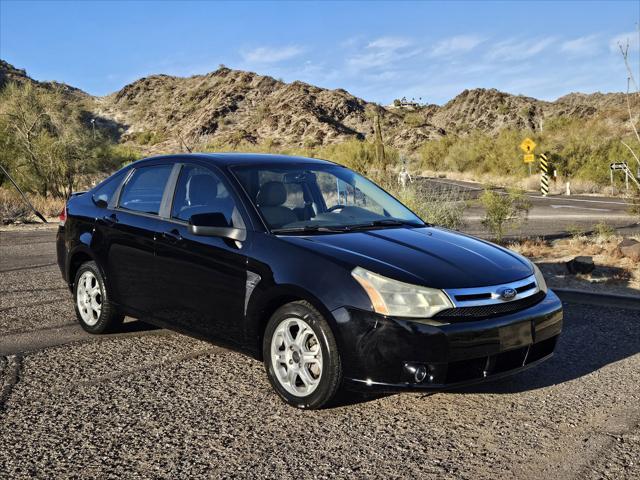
x=163, y=405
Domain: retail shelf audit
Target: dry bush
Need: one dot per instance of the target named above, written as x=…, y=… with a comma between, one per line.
x=439, y=205
x=532, y=247
x=13, y=208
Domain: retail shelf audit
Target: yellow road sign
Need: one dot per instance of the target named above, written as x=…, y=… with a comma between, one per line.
x=529, y=157
x=527, y=145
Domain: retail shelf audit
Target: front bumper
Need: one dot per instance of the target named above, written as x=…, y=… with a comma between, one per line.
x=382, y=353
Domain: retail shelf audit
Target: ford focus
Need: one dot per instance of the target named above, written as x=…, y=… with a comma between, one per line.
x=307, y=266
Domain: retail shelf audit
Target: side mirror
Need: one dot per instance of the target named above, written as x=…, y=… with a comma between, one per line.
x=215, y=225
x=100, y=202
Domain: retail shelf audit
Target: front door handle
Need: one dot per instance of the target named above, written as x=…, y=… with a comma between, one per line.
x=173, y=236
x=110, y=219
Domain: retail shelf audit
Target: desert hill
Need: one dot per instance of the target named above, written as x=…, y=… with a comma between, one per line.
x=232, y=107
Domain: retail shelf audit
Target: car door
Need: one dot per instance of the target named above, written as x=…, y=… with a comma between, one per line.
x=201, y=279
x=126, y=233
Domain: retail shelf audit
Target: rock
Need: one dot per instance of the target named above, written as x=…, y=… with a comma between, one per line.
x=630, y=248
x=581, y=265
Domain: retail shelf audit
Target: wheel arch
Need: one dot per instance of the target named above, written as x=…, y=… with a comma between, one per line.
x=260, y=311
x=76, y=258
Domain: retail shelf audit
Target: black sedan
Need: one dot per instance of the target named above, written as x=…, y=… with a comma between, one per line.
x=308, y=266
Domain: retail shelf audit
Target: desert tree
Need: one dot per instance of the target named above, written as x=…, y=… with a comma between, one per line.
x=49, y=136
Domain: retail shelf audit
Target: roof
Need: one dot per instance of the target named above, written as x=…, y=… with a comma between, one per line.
x=227, y=159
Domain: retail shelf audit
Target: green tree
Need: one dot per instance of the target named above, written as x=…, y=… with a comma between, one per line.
x=49, y=140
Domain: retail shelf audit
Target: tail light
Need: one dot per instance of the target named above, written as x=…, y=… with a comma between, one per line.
x=63, y=216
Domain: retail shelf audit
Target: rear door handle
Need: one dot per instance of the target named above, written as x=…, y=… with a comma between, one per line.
x=173, y=236
x=110, y=219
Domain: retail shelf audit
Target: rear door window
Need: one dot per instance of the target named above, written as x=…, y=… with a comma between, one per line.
x=143, y=191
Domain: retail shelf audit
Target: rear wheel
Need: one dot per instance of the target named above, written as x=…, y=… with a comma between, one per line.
x=301, y=356
x=94, y=309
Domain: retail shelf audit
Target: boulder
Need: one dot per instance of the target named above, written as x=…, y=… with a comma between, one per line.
x=580, y=265
x=630, y=248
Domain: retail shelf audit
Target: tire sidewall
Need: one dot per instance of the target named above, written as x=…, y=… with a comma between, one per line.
x=330, y=357
x=102, y=323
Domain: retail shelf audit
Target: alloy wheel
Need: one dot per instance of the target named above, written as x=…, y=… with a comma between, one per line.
x=89, y=298
x=296, y=356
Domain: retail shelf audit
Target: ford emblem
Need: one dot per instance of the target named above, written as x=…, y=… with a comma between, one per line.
x=507, y=293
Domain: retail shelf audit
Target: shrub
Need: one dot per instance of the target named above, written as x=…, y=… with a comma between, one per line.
x=579, y=149
x=604, y=230
x=147, y=137
x=360, y=156
x=503, y=211
x=13, y=208
x=439, y=206
x=414, y=119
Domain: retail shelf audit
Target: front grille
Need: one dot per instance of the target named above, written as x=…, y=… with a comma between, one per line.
x=469, y=297
x=465, y=314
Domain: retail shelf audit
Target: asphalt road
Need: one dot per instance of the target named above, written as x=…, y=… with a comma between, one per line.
x=155, y=404
x=551, y=215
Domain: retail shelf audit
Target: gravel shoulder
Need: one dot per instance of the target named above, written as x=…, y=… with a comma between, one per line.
x=168, y=406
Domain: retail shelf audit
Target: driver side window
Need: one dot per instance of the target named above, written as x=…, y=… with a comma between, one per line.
x=198, y=191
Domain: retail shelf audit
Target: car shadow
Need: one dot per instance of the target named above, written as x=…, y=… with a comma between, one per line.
x=592, y=338
x=132, y=325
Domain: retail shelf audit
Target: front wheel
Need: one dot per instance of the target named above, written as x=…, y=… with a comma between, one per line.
x=301, y=356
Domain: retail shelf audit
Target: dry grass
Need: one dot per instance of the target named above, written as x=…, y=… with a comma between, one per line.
x=14, y=209
x=614, y=272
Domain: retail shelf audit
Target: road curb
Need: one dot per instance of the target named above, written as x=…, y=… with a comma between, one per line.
x=600, y=299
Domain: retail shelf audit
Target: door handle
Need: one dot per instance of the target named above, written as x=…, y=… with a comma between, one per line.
x=110, y=219
x=172, y=236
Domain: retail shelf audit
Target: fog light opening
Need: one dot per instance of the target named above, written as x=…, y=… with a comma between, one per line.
x=420, y=374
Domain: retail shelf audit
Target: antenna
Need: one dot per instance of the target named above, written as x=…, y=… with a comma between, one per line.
x=184, y=144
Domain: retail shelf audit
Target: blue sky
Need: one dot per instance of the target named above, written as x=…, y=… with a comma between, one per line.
x=375, y=50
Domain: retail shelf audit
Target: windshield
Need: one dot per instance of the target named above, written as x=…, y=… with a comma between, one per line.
x=307, y=197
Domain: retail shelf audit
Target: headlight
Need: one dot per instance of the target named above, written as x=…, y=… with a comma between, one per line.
x=542, y=285
x=398, y=299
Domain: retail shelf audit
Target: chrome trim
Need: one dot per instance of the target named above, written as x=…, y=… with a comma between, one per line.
x=492, y=290
x=251, y=283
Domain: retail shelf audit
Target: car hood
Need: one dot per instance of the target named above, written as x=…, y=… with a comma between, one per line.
x=429, y=256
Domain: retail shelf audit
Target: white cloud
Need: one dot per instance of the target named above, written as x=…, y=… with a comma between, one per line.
x=381, y=52
x=518, y=50
x=587, y=45
x=389, y=43
x=622, y=39
x=272, y=54
x=457, y=44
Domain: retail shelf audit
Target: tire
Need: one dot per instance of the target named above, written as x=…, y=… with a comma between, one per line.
x=94, y=310
x=309, y=356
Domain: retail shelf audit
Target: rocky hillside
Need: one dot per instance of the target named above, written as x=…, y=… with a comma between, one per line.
x=9, y=73
x=232, y=107
x=228, y=107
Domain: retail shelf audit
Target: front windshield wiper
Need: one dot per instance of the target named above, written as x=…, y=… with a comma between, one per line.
x=310, y=229
x=387, y=222
x=384, y=222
